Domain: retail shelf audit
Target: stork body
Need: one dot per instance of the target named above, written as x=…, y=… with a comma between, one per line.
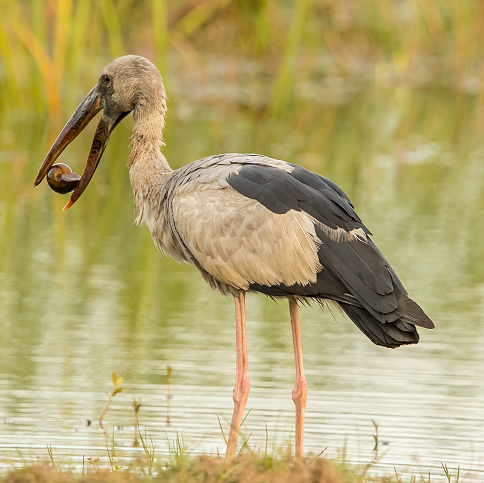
x=248, y=223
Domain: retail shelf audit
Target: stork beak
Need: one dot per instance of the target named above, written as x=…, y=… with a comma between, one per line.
x=88, y=108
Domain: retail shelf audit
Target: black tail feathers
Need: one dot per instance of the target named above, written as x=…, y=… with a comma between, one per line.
x=415, y=315
x=390, y=334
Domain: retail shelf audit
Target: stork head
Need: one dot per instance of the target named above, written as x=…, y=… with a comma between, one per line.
x=128, y=83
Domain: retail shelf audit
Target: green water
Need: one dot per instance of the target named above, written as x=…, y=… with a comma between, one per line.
x=84, y=293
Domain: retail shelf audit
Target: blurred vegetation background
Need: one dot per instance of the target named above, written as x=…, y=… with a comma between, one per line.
x=50, y=47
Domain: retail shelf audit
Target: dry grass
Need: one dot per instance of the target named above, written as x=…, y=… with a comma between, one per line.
x=205, y=469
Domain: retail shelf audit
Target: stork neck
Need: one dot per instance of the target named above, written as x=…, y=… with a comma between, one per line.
x=147, y=137
x=147, y=165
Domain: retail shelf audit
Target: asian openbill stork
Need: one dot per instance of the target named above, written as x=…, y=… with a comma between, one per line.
x=248, y=223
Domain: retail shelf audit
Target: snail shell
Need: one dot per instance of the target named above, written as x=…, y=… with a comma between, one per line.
x=62, y=179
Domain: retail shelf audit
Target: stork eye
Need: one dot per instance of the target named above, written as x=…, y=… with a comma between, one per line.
x=107, y=79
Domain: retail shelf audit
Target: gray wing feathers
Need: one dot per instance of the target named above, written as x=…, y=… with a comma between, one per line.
x=257, y=223
x=259, y=247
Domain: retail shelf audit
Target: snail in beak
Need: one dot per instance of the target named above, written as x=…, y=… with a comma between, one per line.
x=62, y=179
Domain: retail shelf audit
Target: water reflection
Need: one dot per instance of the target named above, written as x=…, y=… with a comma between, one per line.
x=84, y=293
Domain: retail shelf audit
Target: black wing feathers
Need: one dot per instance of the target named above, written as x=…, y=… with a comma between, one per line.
x=346, y=263
x=280, y=192
x=327, y=188
x=267, y=187
x=355, y=273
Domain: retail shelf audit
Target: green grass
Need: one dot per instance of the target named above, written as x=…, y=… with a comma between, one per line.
x=206, y=469
x=180, y=467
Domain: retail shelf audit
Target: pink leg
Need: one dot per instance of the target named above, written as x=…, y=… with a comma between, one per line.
x=242, y=383
x=299, y=393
